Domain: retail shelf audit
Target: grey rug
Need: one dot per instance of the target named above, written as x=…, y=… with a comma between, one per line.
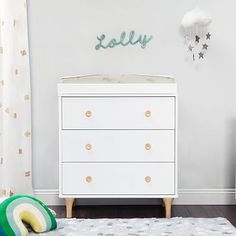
x=143, y=227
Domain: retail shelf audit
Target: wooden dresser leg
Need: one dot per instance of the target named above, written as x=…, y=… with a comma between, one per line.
x=69, y=204
x=168, y=203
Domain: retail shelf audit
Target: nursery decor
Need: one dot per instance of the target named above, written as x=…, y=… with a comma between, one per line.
x=124, y=40
x=15, y=99
x=195, y=29
x=19, y=210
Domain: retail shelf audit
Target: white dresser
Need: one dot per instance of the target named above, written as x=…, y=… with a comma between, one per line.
x=117, y=138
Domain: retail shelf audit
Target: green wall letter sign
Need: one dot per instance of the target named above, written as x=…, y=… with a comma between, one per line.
x=124, y=40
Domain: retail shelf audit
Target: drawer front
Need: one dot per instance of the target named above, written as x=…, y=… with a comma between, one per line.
x=118, y=113
x=118, y=145
x=104, y=178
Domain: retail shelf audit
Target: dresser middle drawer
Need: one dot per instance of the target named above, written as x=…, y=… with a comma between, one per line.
x=118, y=145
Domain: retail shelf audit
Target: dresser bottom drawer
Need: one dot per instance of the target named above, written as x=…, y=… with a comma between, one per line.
x=118, y=178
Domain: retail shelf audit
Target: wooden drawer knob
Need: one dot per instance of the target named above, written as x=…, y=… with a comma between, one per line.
x=148, y=113
x=88, y=179
x=148, y=146
x=88, y=146
x=88, y=113
x=148, y=179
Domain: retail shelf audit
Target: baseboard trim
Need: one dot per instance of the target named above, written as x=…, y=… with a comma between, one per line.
x=49, y=196
x=186, y=197
x=206, y=197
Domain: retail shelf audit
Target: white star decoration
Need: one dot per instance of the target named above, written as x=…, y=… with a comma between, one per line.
x=190, y=48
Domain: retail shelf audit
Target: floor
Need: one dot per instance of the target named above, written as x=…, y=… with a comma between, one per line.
x=228, y=212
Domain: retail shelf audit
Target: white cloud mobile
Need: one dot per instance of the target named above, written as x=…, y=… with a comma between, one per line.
x=195, y=29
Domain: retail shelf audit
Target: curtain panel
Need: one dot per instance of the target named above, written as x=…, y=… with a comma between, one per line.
x=15, y=100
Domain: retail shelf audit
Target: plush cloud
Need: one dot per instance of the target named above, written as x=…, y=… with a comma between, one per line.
x=196, y=17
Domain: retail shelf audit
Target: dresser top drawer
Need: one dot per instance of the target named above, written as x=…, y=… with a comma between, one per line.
x=118, y=112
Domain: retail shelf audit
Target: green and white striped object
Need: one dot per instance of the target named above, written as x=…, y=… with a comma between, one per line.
x=20, y=209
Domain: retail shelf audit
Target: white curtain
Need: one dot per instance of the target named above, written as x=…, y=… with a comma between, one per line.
x=15, y=105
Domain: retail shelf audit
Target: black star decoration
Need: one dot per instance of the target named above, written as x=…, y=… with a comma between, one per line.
x=197, y=38
x=190, y=48
x=201, y=55
x=208, y=36
x=205, y=46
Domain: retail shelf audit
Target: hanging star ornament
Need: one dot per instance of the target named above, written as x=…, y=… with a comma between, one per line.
x=190, y=48
x=205, y=46
x=201, y=55
x=195, y=27
x=197, y=38
x=208, y=36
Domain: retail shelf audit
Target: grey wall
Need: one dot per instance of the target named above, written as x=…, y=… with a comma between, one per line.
x=207, y=90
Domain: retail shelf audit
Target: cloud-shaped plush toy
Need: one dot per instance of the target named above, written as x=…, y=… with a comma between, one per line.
x=196, y=17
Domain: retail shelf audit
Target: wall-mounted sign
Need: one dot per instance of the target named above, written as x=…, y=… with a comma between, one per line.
x=124, y=39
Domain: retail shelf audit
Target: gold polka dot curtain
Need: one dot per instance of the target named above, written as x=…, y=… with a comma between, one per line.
x=15, y=107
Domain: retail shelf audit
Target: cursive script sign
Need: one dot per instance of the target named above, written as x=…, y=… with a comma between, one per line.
x=123, y=40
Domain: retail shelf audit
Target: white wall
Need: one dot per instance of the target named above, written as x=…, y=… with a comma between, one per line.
x=207, y=90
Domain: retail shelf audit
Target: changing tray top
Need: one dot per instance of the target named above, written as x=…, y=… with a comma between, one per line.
x=116, y=84
x=120, y=79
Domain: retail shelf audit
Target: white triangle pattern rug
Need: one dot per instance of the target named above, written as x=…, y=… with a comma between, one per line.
x=143, y=227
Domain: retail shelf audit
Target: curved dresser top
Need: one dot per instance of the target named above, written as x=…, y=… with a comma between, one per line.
x=117, y=85
x=120, y=79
